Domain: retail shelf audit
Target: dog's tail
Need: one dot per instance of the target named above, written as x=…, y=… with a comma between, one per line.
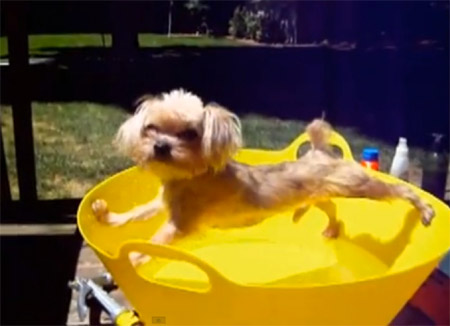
x=319, y=132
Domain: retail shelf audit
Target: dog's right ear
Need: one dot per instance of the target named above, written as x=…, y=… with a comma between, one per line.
x=129, y=133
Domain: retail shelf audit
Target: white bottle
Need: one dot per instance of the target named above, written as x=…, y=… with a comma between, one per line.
x=400, y=163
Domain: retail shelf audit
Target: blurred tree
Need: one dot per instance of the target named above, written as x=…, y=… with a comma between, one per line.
x=198, y=11
x=169, y=19
x=238, y=26
x=266, y=21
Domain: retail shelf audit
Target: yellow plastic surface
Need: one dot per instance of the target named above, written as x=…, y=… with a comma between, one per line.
x=278, y=272
x=127, y=318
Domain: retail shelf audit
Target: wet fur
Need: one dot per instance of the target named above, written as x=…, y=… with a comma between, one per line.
x=204, y=187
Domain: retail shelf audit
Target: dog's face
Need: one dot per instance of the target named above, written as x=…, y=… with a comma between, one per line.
x=176, y=136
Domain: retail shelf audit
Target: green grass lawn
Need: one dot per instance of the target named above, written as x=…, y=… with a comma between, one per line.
x=49, y=44
x=160, y=40
x=73, y=147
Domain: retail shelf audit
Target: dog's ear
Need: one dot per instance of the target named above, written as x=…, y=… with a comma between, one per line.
x=221, y=135
x=146, y=98
x=129, y=133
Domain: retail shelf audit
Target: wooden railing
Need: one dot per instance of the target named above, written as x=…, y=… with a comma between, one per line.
x=29, y=209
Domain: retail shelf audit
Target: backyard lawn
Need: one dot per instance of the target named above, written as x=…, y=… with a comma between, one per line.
x=41, y=45
x=74, y=152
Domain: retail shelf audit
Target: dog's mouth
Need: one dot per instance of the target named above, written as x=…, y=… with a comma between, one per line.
x=151, y=157
x=162, y=158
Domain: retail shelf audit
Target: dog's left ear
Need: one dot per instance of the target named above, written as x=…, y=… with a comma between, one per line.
x=221, y=135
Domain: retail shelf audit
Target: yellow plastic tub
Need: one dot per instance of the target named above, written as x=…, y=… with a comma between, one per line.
x=279, y=272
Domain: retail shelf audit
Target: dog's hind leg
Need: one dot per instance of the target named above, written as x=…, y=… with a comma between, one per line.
x=349, y=180
x=299, y=212
x=377, y=189
x=329, y=208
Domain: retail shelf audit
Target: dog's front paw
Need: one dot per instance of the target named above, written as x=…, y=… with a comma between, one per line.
x=427, y=214
x=103, y=215
x=137, y=259
x=100, y=210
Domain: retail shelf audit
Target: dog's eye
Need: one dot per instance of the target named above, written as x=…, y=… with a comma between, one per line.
x=150, y=127
x=188, y=134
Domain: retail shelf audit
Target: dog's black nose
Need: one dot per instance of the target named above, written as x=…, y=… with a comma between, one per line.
x=162, y=149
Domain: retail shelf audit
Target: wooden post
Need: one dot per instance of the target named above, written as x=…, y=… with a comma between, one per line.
x=124, y=32
x=5, y=188
x=20, y=100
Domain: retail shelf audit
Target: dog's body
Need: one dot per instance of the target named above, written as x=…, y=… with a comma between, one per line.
x=204, y=187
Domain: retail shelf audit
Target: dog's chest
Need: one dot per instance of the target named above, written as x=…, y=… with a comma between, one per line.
x=208, y=201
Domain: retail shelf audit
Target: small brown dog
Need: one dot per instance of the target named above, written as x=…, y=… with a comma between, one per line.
x=190, y=146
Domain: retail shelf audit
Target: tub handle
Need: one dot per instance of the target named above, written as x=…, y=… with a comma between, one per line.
x=216, y=279
x=335, y=139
